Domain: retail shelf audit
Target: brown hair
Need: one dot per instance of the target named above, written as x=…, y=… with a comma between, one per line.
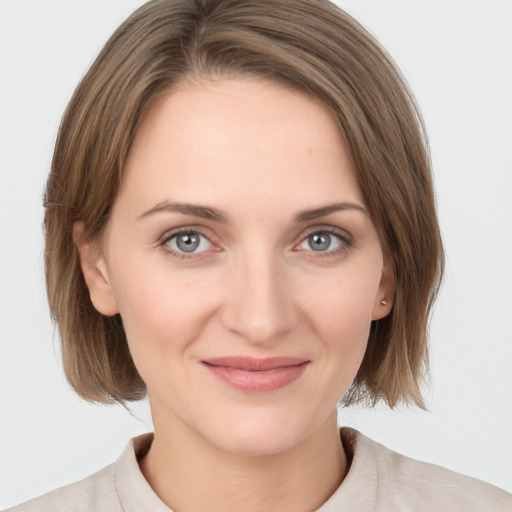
x=308, y=45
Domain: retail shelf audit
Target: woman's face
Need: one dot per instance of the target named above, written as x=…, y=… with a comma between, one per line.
x=243, y=263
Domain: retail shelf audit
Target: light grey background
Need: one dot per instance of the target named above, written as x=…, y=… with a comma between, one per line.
x=457, y=56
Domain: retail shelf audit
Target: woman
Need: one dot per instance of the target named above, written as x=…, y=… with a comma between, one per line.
x=240, y=222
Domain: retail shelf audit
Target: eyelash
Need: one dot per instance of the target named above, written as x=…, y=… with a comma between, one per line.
x=166, y=238
x=345, y=239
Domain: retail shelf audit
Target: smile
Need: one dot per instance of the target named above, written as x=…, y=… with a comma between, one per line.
x=256, y=375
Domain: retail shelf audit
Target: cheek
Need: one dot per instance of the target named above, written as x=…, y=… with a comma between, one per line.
x=162, y=311
x=344, y=305
x=340, y=312
x=344, y=329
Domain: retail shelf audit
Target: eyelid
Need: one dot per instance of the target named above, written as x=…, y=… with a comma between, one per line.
x=174, y=242
x=168, y=235
x=345, y=237
x=342, y=233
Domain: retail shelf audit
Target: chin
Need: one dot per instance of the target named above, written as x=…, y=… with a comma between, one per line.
x=258, y=434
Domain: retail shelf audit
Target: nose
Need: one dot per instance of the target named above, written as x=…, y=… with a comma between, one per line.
x=258, y=302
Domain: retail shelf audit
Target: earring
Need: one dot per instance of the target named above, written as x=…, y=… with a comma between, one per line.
x=383, y=303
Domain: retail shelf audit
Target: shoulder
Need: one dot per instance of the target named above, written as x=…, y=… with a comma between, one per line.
x=96, y=492
x=403, y=483
x=112, y=489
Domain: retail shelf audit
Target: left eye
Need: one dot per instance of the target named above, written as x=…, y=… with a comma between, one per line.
x=189, y=242
x=322, y=241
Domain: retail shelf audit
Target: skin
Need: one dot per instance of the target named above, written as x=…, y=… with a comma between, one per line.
x=255, y=287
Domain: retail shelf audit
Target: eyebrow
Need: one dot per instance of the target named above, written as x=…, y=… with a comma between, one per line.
x=209, y=213
x=195, y=210
x=307, y=215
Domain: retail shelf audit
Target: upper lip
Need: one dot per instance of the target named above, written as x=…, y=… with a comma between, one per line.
x=251, y=364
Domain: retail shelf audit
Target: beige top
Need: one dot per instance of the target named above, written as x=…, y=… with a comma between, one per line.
x=379, y=480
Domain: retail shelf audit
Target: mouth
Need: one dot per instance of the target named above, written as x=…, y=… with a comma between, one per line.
x=255, y=375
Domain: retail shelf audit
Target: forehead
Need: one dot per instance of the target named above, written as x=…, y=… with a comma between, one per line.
x=234, y=139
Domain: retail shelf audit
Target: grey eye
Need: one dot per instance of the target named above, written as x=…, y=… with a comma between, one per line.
x=319, y=241
x=322, y=241
x=189, y=242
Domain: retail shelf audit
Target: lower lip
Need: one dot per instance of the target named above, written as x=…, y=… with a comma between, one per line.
x=259, y=381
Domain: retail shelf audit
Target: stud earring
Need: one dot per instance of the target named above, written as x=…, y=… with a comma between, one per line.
x=383, y=303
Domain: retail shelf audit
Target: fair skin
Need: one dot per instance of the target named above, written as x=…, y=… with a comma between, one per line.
x=276, y=258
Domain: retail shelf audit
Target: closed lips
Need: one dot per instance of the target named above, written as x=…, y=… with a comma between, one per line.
x=252, y=375
x=250, y=364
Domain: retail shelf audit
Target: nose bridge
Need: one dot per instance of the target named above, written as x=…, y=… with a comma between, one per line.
x=258, y=305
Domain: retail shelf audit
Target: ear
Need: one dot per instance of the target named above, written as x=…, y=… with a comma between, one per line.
x=95, y=272
x=385, y=294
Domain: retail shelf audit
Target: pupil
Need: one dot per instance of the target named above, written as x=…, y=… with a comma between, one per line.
x=319, y=242
x=188, y=242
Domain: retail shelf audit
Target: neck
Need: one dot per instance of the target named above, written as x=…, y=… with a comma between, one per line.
x=299, y=479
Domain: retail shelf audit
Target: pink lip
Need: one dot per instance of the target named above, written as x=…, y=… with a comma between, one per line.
x=256, y=375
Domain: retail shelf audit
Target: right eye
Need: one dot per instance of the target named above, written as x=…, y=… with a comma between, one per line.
x=188, y=242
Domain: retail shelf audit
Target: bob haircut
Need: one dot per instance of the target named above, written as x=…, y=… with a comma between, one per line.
x=310, y=46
